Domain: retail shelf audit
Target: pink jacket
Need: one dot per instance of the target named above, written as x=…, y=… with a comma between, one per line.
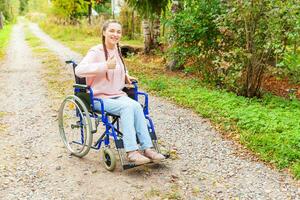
x=106, y=83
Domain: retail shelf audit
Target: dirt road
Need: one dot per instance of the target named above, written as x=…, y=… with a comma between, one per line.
x=35, y=165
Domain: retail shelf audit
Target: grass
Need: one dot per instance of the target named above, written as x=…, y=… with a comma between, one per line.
x=4, y=38
x=269, y=127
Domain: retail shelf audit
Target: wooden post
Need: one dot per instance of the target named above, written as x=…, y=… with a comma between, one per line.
x=1, y=21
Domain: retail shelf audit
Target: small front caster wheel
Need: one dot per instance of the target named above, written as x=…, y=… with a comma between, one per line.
x=109, y=159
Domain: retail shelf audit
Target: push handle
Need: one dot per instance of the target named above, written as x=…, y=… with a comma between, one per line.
x=71, y=62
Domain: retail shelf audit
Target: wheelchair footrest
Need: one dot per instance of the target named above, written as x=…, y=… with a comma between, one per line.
x=129, y=166
x=167, y=156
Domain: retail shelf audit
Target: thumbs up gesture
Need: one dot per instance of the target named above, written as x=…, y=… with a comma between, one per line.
x=111, y=62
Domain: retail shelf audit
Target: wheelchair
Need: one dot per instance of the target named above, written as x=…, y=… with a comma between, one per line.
x=79, y=122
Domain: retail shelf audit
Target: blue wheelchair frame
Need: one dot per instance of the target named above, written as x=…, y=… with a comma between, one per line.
x=111, y=127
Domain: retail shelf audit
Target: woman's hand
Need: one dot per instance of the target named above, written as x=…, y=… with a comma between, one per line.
x=129, y=79
x=111, y=62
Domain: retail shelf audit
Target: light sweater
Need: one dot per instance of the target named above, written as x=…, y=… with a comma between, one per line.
x=106, y=83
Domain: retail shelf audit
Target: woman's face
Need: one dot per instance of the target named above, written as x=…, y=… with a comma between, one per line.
x=113, y=33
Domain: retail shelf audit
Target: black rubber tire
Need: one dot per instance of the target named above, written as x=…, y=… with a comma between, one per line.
x=109, y=159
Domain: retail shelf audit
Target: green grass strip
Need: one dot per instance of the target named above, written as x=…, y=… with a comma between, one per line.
x=4, y=38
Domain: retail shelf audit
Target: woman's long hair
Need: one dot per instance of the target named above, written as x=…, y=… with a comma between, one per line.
x=104, y=27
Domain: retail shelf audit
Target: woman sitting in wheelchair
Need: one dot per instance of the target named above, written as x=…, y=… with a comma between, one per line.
x=105, y=71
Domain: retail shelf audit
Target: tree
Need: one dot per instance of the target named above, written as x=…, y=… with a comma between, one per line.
x=173, y=62
x=1, y=20
x=258, y=30
x=131, y=22
x=23, y=6
x=90, y=6
x=9, y=9
x=231, y=43
x=37, y=6
x=70, y=10
x=193, y=36
x=151, y=11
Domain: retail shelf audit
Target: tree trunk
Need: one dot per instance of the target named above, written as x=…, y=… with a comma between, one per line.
x=175, y=8
x=256, y=63
x=156, y=32
x=1, y=20
x=254, y=73
x=147, y=36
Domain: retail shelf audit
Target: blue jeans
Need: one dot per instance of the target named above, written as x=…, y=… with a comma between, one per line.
x=133, y=121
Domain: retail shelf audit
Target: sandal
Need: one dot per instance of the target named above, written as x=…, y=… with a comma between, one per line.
x=137, y=158
x=153, y=155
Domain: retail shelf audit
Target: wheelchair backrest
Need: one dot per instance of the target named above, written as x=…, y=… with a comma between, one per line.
x=77, y=79
x=81, y=93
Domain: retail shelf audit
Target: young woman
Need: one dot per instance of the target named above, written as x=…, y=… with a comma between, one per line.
x=104, y=70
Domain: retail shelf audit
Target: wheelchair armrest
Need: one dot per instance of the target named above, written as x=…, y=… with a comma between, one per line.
x=146, y=110
x=80, y=86
x=134, y=86
x=103, y=116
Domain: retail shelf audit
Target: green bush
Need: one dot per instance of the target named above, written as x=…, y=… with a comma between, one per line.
x=291, y=66
x=195, y=36
x=232, y=42
x=69, y=9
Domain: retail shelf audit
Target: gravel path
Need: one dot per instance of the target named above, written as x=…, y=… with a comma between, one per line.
x=34, y=164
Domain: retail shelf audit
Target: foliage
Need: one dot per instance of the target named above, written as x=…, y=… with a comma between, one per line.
x=9, y=8
x=131, y=23
x=232, y=42
x=256, y=36
x=291, y=66
x=290, y=57
x=103, y=6
x=4, y=38
x=148, y=8
x=37, y=6
x=195, y=37
x=23, y=6
x=70, y=9
x=150, y=11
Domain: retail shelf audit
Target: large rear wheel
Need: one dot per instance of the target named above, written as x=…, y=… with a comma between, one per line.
x=75, y=126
